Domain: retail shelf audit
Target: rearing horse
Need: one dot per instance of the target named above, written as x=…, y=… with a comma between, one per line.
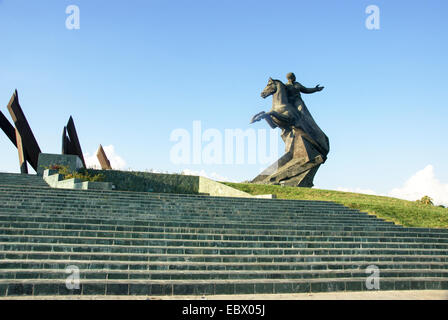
x=287, y=116
x=282, y=114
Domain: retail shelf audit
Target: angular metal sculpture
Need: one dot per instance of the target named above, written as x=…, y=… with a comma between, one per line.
x=22, y=154
x=65, y=142
x=306, y=145
x=25, y=141
x=8, y=129
x=102, y=158
x=67, y=145
x=70, y=143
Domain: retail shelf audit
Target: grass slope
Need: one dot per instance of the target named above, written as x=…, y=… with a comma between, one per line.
x=402, y=212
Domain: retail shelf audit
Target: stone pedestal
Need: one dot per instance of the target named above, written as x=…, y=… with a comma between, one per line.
x=298, y=165
x=47, y=159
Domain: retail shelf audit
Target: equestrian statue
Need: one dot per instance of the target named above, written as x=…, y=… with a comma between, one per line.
x=306, y=145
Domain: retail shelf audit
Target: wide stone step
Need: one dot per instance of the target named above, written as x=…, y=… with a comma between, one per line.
x=42, y=231
x=208, y=220
x=150, y=200
x=215, y=258
x=65, y=239
x=22, y=264
x=71, y=245
x=37, y=182
x=179, y=204
x=216, y=234
x=22, y=180
x=215, y=287
x=166, y=196
x=154, y=220
x=193, y=203
x=147, y=197
x=215, y=274
x=266, y=212
x=214, y=223
x=101, y=195
x=155, y=214
x=143, y=196
x=92, y=212
x=136, y=206
x=207, y=227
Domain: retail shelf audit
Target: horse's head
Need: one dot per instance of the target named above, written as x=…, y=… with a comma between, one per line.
x=271, y=88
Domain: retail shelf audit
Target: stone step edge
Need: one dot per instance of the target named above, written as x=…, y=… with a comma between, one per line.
x=294, y=212
x=172, y=196
x=18, y=191
x=226, y=272
x=215, y=248
x=257, y=231
x=204, y=287
x=148, y=218
x=206, y=241
x=9, y=210
x=281, y=232
x=183, y=263
x=16, y=186
x=112, y=229
x=23, y=229
x=155, y=194
x=270, y=226
x=287, y=256
x=223, y=281
x=201, y=287
x=194, y=210
x=56, y=180
x=284, y=213
x=31, y=198
x=328, y=219
x=435, y=294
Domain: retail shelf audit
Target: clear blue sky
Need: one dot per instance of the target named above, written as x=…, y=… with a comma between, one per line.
x=136, y=70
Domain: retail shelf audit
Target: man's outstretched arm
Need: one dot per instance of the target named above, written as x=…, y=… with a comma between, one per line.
x=304, y=89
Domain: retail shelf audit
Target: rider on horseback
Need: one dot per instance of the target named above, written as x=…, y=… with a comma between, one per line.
x=289, y=112
x=295, y=88
x=287, y=103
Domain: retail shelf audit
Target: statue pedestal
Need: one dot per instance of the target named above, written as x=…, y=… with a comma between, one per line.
x=298, y=165
x=47, y=159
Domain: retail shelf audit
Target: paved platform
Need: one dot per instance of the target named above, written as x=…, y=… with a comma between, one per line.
x=373, y=295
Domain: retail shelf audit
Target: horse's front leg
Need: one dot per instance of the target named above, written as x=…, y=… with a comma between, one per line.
x=270, y=122
x=266, y=116
x=258, y=117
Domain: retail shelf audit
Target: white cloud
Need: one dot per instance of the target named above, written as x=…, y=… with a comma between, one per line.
x=154, y=171
x=202, y=173
x=116, y=162
x=357, y=190
x=91, y=161
x=423, y=183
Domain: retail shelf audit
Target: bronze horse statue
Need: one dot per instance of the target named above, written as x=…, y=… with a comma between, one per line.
x=282, y=113
x=287, y=116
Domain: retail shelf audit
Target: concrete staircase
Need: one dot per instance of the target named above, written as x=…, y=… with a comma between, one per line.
x=129, y=243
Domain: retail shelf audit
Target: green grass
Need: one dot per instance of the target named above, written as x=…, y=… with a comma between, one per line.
x=402, y=212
